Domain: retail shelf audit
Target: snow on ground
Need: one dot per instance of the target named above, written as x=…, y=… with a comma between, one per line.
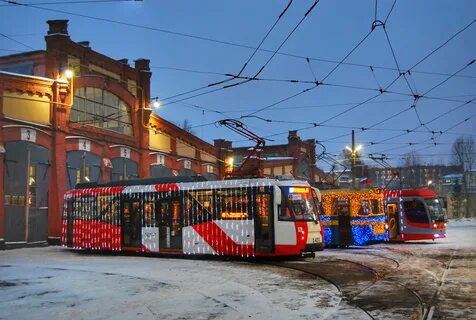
x=60, y=284
x=55, y=283
x=442, y=273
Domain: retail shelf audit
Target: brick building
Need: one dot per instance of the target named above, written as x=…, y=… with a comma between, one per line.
x=413, y=177
x=51, y=139
x=296, y=159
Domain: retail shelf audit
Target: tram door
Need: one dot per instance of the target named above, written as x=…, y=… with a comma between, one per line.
x=392, y=210
x=170, y=223
x=343, y=211
x=131, y=223
x=264, y=235
x=69, y=223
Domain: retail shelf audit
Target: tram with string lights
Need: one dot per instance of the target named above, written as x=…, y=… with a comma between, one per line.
x=353, y=217
x=181, y=215
x=415, y=215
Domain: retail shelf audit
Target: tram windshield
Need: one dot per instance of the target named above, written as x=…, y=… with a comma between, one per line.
x=300, y=204
x=435, y=210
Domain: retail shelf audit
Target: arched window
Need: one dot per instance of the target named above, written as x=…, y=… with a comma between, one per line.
x=124, y=169
x=83, y=166
x=160, y=171
x=102, y=109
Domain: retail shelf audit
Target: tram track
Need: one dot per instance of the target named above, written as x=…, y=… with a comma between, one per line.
x=365, y=288
x=432, y=305
x=320, y=276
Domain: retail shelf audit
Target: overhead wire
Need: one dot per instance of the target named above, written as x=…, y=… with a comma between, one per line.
x=17, y=3
x=16, y=41
x=265, y=37
x=13, y=3
x=428, y=54
x=279, y=47
x=233, y=77
x=414, y=107
x=432, y=139
x=400, y=74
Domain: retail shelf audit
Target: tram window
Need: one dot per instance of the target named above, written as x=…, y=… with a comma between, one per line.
x=136, y=217
x=233, y=204
x=188, y=212
x=298, y=204
x=415, y=211
x=202, y=201
x=85, y=208
x=149, y=214
x=364, y=208
x=391, y=208
x=263, y=204
x=107, y=207
x=285, y=214
x=375, y=206
x=341, y=206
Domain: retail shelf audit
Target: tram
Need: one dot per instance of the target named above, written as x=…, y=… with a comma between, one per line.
x=353, y=217
x=415, y=215
x=247, y=218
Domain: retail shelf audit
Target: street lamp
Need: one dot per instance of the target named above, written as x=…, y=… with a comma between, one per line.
x=353, y=152
x=156, y=103
x=69, y=74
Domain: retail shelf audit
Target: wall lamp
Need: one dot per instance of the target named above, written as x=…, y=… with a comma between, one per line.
x=69, y=74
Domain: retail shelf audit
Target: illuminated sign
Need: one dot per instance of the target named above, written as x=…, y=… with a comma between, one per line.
x=234, y=215
x=298, y=190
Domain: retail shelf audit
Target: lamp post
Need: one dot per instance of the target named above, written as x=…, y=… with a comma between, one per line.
x=353, y=152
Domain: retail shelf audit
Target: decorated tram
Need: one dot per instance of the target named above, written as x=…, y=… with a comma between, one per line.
x=240, y=217
x=415, y=215
x=353, y=217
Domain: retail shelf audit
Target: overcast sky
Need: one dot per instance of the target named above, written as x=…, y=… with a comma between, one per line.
x=193, y=45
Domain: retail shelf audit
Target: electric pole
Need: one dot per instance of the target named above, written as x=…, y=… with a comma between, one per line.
x=353, y=159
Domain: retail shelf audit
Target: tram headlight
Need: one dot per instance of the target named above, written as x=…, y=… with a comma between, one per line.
x=435, y=225
x=445, y=224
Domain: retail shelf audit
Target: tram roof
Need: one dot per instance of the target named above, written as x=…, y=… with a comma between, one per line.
x=193, y=181
x=424, y=193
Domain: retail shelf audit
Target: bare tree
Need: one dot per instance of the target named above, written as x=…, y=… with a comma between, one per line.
x=410, y=173
x=464, y=153
x=186, y=125
x=411, y=159
x=464, y=156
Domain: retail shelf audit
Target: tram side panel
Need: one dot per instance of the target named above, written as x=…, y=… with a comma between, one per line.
x=410, y=219
x=353, y=217
x=241, y=221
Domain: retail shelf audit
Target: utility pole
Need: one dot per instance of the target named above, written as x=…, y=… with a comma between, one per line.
x=353, y=159
x=353, y=155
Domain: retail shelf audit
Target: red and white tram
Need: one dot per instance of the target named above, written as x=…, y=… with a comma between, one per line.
x=414, y=215
x=249, y=217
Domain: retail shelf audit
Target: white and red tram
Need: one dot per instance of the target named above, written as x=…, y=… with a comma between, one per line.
x=249, y=217
x=414, y=215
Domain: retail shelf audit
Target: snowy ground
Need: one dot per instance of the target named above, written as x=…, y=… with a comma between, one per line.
x=385, y=281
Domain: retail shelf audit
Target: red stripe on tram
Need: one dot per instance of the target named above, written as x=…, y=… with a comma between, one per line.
x=220, y=241
x=166, y=187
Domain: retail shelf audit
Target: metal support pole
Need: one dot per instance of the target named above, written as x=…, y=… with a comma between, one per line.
x=353, y=159
x=27, y=196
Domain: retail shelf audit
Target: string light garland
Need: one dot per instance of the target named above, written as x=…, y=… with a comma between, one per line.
x=367, y=220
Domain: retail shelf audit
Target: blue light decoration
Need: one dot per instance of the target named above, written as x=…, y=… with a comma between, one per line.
x=331, y=231
x=364, y=229
x=367, y=230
